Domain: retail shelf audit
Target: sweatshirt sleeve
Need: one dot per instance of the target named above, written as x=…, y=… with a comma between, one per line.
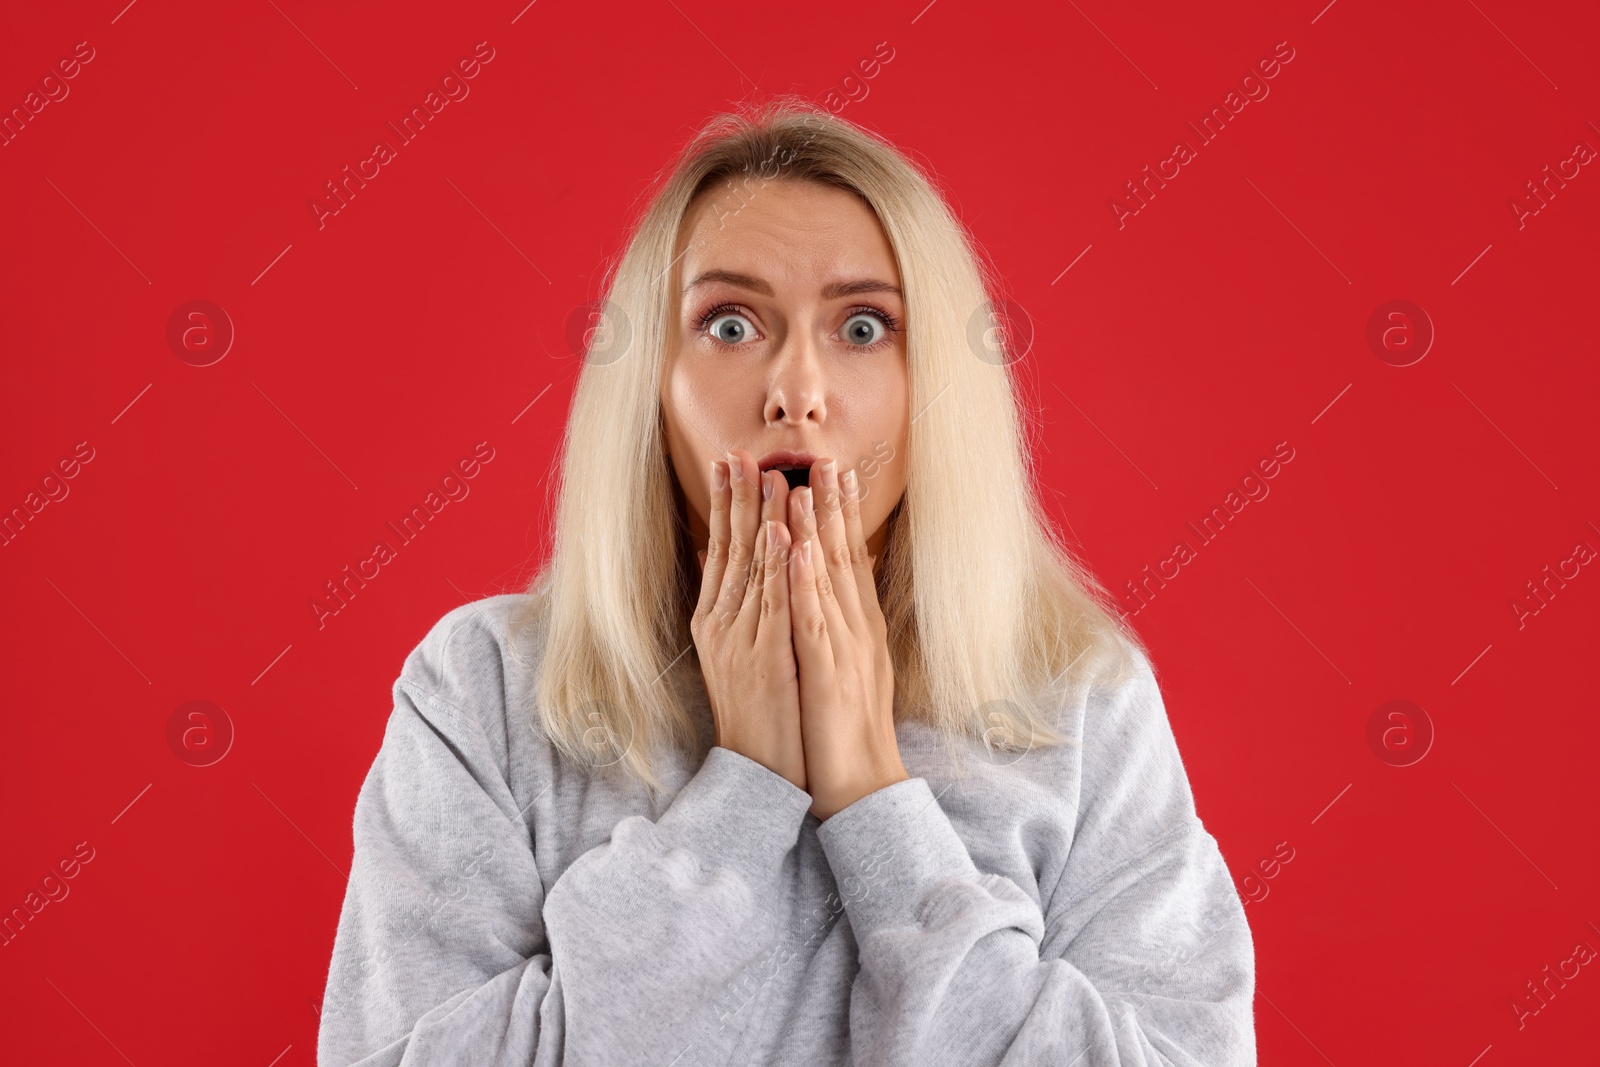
x=449, y=951
x=1138, y=953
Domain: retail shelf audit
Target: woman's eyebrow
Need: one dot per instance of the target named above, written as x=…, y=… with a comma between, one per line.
x=831, y=291
x=864, y=285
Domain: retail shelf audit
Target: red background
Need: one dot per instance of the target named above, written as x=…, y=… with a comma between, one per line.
x=1228, y=315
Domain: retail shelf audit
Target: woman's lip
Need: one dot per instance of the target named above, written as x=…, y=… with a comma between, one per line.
x=795, y=459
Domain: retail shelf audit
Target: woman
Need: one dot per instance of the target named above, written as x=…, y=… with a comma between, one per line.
x=811, y=744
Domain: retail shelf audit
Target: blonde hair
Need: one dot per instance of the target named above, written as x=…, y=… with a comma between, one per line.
x=986, y=607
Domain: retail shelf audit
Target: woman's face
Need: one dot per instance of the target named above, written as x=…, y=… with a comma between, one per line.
x=789, y=338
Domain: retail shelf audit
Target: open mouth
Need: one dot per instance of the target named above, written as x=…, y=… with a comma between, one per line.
x=794, y=466
x=795, y=476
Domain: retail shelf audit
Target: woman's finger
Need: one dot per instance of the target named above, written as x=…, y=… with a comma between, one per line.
x=813, y=654
x=834, y=543
x=744, y=516
x=715, y=561
x=861, y=562
x=754, y=588
x=775, y=498
x=773, y=628
x=803, y=526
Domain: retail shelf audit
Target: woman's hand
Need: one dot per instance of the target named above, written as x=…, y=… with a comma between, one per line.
x=741, y=625
x=841, y=646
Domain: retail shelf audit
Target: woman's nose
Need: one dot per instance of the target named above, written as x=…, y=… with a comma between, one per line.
x=798, y=388
x=796, y=403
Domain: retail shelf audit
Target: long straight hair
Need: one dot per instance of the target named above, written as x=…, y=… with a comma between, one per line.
x=991, y=619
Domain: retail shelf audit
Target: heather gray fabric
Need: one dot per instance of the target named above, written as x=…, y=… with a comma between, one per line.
x=1062, y=906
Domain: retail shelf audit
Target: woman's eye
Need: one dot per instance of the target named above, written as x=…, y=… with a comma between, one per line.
x=864, y=329
x=730, y=328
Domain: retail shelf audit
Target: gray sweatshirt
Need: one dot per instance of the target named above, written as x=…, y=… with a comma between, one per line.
x=1063, y=906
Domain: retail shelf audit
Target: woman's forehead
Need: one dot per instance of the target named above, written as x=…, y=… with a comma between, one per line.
x=799, y=229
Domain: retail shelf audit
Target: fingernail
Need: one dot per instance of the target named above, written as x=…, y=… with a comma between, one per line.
x=735, y=468
x=849, y=482
x=766, y=485
x=830, y=475
x=805, y=500
x=805, y=553
x=719, y=476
